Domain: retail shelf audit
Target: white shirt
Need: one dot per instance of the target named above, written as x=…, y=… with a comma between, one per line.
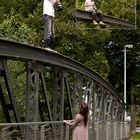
x=48, y=8
x=91, y=5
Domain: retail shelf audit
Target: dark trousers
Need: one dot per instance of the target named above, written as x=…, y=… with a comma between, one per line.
x=96, y=15
x=49, y=31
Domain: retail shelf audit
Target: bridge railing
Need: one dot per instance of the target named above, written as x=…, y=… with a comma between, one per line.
x=112, y=131
x=44, y=131
x=35, y=131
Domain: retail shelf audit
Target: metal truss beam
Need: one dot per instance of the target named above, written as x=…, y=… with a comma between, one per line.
x=24, y=52
x=54, y=80
x=87, y=16
x=8, y=85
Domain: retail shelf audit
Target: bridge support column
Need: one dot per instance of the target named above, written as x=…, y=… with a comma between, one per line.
x=58, y=100
x=34, y=112
x=12, y=106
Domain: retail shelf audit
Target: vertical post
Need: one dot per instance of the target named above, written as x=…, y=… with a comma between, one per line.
x=67, y=132
x=125, y=115
x=135, y=3
x=42, y=132
x=129, y=47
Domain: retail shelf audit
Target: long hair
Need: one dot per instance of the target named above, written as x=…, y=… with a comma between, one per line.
x=84, y=112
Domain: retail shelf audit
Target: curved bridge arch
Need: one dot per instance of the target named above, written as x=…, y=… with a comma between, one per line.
x=52, y=80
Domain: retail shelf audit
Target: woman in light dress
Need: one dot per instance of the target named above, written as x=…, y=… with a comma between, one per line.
x=80, y=123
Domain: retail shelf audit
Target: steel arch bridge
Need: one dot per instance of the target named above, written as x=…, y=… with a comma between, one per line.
x=51, y=89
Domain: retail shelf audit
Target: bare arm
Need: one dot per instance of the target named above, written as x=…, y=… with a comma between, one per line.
x=74, y=122
x=69, y=122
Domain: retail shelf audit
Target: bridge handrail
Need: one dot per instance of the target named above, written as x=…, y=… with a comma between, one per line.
x=102, y=131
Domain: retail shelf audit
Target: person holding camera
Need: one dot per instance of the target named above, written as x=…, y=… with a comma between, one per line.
x=48, y=17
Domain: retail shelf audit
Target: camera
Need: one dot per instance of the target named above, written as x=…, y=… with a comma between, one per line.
x=59, y=5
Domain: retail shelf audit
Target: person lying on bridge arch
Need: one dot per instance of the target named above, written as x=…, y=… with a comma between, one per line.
x=48, y=17
x=80, y=123
x=97, y=16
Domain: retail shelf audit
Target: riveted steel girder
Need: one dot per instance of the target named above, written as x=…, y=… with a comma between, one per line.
x=108, y=20
x=12, y=105
x=55, y=86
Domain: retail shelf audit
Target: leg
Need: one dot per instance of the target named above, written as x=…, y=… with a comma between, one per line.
x=100, y=18
x=94, y=16
x=52, y=35
x=49, y=30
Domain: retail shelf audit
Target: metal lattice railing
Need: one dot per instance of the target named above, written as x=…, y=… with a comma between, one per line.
x=35, y=131
x=112, y=131
x=44, y=131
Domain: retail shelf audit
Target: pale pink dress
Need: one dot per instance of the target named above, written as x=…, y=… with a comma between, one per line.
x=80, y=132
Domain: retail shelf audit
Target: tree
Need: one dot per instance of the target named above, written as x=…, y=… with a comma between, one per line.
x=115, y=58
x=124, y=9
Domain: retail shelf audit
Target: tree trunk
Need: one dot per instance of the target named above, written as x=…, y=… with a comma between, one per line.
x=133, y=114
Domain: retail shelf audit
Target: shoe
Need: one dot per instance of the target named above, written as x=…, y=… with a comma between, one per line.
x=51, y=50
x=102, y=23
x=95, y=22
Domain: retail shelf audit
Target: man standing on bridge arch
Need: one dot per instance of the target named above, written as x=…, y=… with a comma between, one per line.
x=48, y=17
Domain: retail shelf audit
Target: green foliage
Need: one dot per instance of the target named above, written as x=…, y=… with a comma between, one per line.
x=138, y=14
x=84, y=46
x=18, y=79
x=116, y=61
x=13, y=28
x=136, y=136
x=124, y=9
x=1, y=115
x=20, y=21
